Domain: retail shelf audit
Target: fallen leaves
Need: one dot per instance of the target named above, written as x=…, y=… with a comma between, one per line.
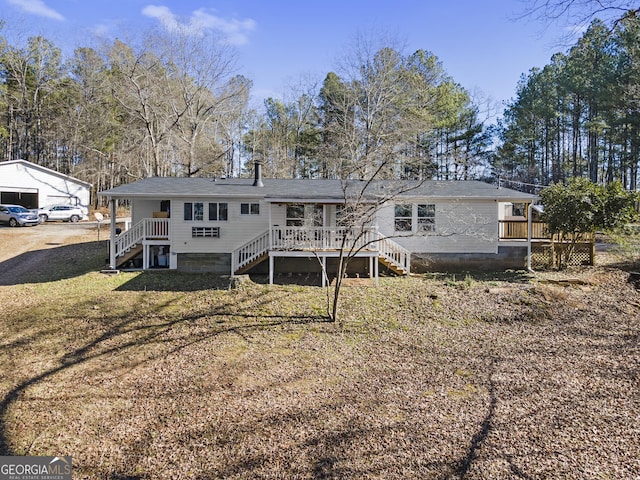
x=427, y=378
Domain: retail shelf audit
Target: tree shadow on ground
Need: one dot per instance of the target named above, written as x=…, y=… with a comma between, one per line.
x=174, y=281
x=52, y=264
x=129, y=332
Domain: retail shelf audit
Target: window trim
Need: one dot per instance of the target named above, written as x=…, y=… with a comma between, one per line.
x=406, y=219
x=422, y=217
x=427, y=222
x=250, y=208
x=291, y=220
x=220, y=211
x=189, y=212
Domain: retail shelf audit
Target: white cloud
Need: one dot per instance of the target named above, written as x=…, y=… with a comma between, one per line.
x=36, y=7
x=235, y=31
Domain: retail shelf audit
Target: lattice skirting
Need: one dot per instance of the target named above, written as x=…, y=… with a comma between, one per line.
x=547, y=255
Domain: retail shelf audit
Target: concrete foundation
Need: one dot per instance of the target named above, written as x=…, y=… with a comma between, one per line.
x=514, y=258
x=219, y=263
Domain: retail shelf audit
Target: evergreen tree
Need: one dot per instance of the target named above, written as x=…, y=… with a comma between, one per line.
x=577, y=116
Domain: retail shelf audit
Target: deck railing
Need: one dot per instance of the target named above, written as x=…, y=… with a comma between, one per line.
x=156, y=228
x=319, y=239
x=394, y=253
x=322, y=238
x=145, y=229
x=517, y=230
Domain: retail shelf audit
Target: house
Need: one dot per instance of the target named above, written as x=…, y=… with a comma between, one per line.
x=33, y=186
x=275, y=226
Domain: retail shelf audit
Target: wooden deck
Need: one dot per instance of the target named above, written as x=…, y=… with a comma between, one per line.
x=322, y=242
x=517, y=230
x=548, y=251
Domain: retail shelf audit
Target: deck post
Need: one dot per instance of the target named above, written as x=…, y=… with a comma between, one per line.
x=376, y=269
x=145, y=257
x=324, y=271
x=271, y=262
x=112, y=234
x=270, y=228
x=529, y=227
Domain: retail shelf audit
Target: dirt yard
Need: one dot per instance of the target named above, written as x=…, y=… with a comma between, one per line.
x=162, y=375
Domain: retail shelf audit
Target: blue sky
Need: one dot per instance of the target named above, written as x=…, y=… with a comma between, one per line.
x=480, y=43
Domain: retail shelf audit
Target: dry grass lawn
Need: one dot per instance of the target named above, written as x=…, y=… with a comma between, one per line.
x=159, y=376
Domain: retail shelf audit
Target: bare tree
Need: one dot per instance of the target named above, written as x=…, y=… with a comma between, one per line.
x=381, y=102
x=140, y=89
x=578, y=13
x=177, y=86
x=206, y=95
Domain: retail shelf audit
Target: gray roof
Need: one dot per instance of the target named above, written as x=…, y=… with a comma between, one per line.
x=309, y=190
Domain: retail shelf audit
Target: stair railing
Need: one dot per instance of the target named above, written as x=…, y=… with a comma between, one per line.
x=250, y=251
x=147, y=228
x=394, y=253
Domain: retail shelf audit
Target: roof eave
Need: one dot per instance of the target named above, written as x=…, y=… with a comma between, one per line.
x=48, y=171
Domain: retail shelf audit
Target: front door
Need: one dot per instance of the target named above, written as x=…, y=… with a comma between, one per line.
x=165, y=206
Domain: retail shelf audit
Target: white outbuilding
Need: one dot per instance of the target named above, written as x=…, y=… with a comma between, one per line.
x=33, y=186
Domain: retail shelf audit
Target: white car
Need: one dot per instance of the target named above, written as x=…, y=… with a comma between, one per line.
x=66, y=213
x=16, y=215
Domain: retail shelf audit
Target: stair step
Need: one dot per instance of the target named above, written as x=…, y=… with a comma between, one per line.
x=251, y=264
x=393, y=266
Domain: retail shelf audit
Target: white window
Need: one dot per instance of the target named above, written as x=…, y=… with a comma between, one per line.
x=310, y=215
x=345, y=215
x=403, y=216
x=250, y=208
x=295, y=215
x=426, y=217
x=218, y=211
x=194, y=211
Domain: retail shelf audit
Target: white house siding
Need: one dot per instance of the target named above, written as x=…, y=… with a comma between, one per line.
x=51, y=187
x=460, y=227
x=142, y=209
x=234, y=232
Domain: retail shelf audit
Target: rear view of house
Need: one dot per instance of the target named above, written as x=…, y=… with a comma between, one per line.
x=233, y=226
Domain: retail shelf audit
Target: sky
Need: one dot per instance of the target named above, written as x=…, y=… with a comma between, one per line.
x=482, y=44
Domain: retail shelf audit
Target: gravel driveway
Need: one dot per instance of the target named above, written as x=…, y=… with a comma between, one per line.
x=24, y=249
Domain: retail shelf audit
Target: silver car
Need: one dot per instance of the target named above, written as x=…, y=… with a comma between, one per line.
x=66, y=213
x=16, y=215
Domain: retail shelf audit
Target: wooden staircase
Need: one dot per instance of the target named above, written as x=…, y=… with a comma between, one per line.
x=129, y=243
x=390, y=254
x=250, y=254
x=393, y=256
x=128, y=255
x=248, y=266
x=393, y=266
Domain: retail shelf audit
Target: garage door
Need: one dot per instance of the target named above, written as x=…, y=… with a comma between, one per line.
x=26, y=199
